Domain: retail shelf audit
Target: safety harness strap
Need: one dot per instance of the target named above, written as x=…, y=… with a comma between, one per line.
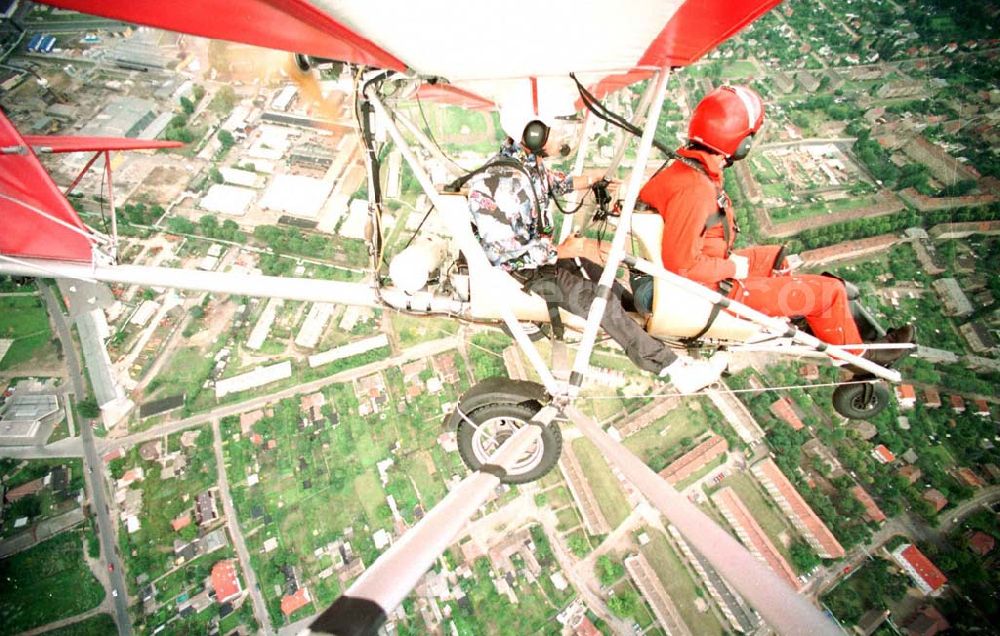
x=725, y=287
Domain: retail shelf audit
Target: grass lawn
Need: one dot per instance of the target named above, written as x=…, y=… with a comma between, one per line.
x=661, y=440
x=642, y=614
x=186, y=371
x=763, y=168
x=46, y=583
x=558, y=497
x=414, y=330
x=680, y=587
x=763, y=510
x=98, y=624
x=739, y=69
x=606, y=487
x=568, y=519
x=804, y=211
x=776, y=190
x=24, y=320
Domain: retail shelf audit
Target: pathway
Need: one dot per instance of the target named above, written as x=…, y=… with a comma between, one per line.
x=259, y=607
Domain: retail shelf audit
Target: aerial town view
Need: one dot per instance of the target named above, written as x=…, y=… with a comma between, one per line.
x=251, y=369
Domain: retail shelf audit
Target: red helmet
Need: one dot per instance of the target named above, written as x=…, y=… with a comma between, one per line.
x=726, y=120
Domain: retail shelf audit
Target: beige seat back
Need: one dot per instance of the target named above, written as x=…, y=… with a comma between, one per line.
x=678, y=313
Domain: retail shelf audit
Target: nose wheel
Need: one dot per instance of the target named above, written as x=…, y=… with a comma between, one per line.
x=860, y=401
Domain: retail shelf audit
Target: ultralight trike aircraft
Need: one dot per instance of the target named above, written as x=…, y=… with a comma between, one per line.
x=470, y=54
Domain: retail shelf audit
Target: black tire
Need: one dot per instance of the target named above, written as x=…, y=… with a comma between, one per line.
x=860, y=401
x=501, y=419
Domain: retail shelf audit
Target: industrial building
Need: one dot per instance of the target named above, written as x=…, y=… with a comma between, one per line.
x=23, y=417
x=121, y=117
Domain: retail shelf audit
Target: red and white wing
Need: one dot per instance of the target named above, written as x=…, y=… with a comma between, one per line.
x=37, y=220
x=476, y=45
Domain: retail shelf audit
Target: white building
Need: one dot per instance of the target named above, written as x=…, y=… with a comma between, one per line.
x=227, y=199
x=251, y=380
x=297, y=195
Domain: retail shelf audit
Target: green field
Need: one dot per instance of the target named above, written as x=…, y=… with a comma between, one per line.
x=319, y=484
x=819, y=208
x=24, y=320
x=93, y=626
x=413, y=330
x=605, y=485
x=664, y=440
x=680, y=587
x=46, y=583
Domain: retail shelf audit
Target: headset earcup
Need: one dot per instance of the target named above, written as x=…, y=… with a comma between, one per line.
x=536, y=133
x=744, y=148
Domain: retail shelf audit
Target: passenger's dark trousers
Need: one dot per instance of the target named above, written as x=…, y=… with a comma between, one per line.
x=572, y=285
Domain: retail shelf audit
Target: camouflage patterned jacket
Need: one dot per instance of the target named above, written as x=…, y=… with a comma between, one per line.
x=509, y=207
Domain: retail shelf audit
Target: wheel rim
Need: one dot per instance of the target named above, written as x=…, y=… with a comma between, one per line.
x=492, y=433
x=860, y=403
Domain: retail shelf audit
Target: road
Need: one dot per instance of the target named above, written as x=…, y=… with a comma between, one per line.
x=94, y=468
x=828, y=577
x=259, y=607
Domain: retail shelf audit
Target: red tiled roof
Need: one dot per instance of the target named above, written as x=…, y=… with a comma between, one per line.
x=872, y=511
x=970, y=478
x=586, y=628
x=750, y=532
x=935, y=498
x=883, y=454
x=982, y=407
x=782, y=409
x=24, y=490
x=181, y=522
x=907, y=392
x=290, y=603
x=309, y=401
x=932, y=398
x=831, y=548
x=957, y=402
x=247, y=420
x=225, y=581
x=981, y=543
x=118, y=453
x=932, y=576
x=810, y=371
x=912, y=473
x=695, y=459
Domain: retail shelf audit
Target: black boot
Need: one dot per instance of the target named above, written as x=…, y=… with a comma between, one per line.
x=887, y=357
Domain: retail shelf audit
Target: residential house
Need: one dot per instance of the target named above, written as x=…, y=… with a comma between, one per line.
x=906, y=395
x=925, y=575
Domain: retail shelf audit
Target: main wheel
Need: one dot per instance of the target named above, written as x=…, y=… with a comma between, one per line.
x=860, y=401
x=485, y=428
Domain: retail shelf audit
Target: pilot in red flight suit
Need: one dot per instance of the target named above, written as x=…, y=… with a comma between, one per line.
x=700, y=228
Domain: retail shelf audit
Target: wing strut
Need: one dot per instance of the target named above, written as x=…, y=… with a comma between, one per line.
x=778, y=603
x=363, y=608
